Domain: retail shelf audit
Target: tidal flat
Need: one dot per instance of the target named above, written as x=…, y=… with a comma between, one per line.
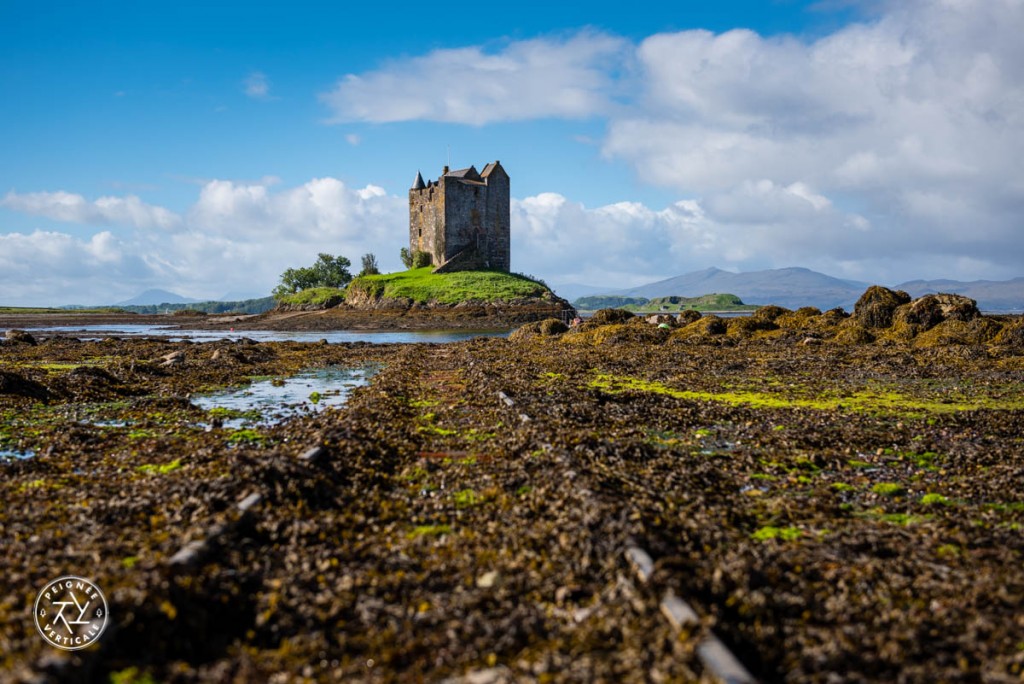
x=850, y=509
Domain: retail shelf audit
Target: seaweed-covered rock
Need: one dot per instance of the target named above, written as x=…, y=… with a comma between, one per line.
x=744, y=326
x=1012, y=334
x=14, y=384
x=953, y=331
x=687, y=317
x=635, y=330
x=852, y=332
x=610, y=317
x=770, y=313
x=703, y=327
x=549, y=327
x=876, y=306
x=928, y=311
x=16, y=336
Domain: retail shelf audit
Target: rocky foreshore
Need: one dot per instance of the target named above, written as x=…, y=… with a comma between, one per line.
x=836, y=496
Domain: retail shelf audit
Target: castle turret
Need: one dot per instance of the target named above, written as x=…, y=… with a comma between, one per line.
x=418, y=184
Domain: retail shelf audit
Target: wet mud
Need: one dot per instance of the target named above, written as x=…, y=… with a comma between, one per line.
x=848, y=509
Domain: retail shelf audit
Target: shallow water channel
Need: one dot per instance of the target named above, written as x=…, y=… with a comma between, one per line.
x=174, y=334
x=270, y=401
x=11, y=454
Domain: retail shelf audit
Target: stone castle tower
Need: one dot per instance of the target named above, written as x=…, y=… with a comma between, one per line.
x=462, y=219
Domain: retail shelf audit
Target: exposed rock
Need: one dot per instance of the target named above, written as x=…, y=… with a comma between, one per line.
x=876, y=306
x=661, y=319
x=173, y=359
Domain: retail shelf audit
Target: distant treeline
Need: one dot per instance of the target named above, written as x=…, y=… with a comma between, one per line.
x=246, y=306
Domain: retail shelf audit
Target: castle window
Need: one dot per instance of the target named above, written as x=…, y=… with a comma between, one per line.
x=420, y=232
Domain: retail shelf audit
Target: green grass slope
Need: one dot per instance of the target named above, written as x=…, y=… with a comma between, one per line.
x=422, y=285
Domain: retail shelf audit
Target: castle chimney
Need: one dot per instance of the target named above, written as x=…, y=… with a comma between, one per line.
x=445, y=170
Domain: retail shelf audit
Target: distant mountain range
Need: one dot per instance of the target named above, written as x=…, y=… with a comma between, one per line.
x=796, y=287
x=150, y=297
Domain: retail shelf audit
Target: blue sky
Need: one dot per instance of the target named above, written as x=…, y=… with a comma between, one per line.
x=204, y=149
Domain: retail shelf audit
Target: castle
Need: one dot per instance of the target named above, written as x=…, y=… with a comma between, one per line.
x=462, y=219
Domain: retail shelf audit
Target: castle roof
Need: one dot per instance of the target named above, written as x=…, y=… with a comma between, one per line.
x=469, y=174
x=418, y=184
x=491, y=167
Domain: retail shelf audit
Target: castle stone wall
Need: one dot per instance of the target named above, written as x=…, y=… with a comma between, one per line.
x=456, y=214
x=426, y=222
x=498, y=219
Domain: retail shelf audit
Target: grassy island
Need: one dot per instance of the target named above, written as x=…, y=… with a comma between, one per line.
x=424, y=286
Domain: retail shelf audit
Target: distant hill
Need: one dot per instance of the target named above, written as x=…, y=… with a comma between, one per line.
x=607, y=302
x=246, y=306
x=991, y=295
x=151, y=297
x=571, y=291
x=788, y=287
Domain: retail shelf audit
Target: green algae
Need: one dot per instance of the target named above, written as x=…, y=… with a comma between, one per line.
x=131, y=675
x=466, y=498
x=771, y=532
x=889, y=489
x=861, y=401
x=246, y=436
x=935, y=500
x=160, y=469
x=429, y=531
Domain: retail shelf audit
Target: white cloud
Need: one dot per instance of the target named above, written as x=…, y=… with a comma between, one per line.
x=257, y=86
x=897, y=139
x=545, y=77
x=236, y=236
x=916, y=119
x=66, y=206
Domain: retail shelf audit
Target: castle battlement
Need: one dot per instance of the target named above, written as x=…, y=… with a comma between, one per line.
x=462, y=219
